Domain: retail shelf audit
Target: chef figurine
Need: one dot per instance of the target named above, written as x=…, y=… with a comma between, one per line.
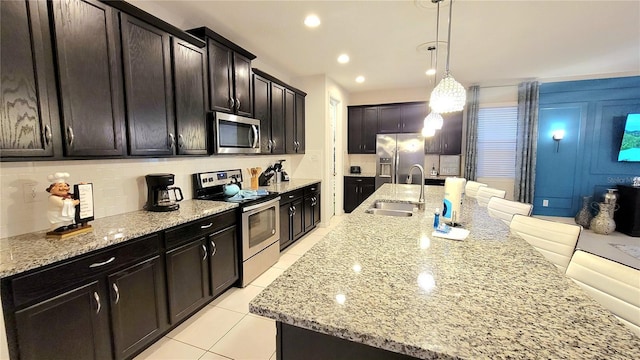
x=61, y=208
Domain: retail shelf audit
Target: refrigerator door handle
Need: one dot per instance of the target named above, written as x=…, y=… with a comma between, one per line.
x=396, y=165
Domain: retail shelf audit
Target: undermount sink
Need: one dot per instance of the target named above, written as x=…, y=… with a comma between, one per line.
x=389, y=212
x=386, y=205
x=389, y=208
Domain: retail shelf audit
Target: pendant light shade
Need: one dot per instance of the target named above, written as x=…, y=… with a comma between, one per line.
x=427, y=130
x=434, y=120
x=448, y=96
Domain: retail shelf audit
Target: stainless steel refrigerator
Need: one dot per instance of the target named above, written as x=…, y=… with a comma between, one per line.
x=395, y=155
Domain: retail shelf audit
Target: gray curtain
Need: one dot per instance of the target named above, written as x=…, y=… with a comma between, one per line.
x=471, y=154
x=526, y=141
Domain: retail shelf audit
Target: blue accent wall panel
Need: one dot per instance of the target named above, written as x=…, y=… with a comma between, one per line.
x=592, y=113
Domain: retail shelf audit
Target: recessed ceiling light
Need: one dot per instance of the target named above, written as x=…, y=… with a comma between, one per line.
x=312, y=21
x=360, y=79
x=430, y=72
x=343, y=59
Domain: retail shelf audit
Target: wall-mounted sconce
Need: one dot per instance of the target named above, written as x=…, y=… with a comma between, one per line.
x=557, y=136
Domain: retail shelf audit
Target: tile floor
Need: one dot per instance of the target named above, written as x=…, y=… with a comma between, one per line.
x=224, y=329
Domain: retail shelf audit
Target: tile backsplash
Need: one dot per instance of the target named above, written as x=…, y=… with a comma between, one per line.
x=119, y=185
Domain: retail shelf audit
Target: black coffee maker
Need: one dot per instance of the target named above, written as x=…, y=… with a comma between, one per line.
x=159, y=193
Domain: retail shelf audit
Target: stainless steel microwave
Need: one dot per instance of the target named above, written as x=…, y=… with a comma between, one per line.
x=235, y=134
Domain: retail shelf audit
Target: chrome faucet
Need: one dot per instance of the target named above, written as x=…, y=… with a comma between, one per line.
x=421, y=199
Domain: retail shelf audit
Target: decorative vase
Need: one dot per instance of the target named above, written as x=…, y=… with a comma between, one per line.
x=603, y=223
x=584, y=216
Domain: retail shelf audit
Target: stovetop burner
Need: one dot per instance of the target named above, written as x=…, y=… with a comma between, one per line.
x=210, y=186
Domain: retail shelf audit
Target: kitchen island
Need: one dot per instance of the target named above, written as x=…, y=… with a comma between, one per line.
x=385, y=287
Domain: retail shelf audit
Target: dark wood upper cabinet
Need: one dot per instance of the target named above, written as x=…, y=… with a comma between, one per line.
x=149, y=94
x=87, y=41
x=277, y=118
x=354, y=129
x=448, y=140
x=300, y=123
x=229, y=74
x=369, y=129
x=389, y=119
x=294, y=122
x=262, y=110
x=28, y=126
x=189, y=69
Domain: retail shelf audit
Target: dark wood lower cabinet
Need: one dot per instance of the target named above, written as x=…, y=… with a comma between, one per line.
x=299, y=213
x=187, y=279
x=224, y=260
x=73, y=325
x=356, y=190
x=293, y=342
x=138, y=306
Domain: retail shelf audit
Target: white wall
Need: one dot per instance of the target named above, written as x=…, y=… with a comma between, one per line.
x=389, y=96
x=119, y=185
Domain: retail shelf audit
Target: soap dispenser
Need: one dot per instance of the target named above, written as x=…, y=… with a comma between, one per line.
x=434, y=172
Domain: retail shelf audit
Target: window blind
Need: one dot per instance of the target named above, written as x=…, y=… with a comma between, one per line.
x=496, y=146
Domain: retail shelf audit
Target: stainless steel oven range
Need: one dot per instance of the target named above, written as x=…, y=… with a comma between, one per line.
x=258, y=215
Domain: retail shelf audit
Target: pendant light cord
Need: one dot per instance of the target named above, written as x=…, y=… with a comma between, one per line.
x=446, y=69
x=437, y=38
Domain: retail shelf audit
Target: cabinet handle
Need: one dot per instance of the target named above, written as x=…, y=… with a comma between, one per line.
x=115, y=289
x=273, y=231
x=102, y=263
x=232, y=103
x=398, y=125
x=172, y=141
x=47, y=134
x=180, y=140
x=70, y=135
x=206, y=226
x=294, y=210
x=290, y=196
x=274, y=143
x=237, y=104
x=359, y=180
x=97, y=298
x=204, y=250
x=214, y=249
x=290, y=211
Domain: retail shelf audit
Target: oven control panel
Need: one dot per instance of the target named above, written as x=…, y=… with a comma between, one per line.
x=217, y=178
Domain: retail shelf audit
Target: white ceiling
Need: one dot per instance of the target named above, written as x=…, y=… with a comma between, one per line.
x=493, y=42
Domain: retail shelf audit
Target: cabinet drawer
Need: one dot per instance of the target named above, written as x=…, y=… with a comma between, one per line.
x=66, y=274
x=291, y=196
x=312, y=189
x=211, y=224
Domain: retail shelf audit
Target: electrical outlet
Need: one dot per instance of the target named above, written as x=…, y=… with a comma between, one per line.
x=29, y=192
x=545, y=202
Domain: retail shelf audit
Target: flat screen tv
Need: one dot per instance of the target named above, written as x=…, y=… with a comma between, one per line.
x=630, y=147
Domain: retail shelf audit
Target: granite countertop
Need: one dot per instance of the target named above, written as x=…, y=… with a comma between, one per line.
x=364, y=174
x=387, y=282
x=29, y=251
x=291, y=185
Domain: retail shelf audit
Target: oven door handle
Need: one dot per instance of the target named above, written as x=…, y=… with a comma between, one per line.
x=264, y=204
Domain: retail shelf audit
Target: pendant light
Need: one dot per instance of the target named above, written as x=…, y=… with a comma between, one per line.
x=449, y=95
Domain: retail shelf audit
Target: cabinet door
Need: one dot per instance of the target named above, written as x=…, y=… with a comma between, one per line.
x=187, y=279
x=367, y=188
x=308, y=213
x=26, y=81
x=452, y=134
x=351, y=193
x=277, y=119
x=148, y=89
x=286, y=236
x=316, y=209
x=138, y=306
x=300, y=125
x=389, y=119
x=220, y=77
x=223, y=260
x=432, y=145
x=190, y=98
x=242, y=85
x=297, y=218
x=74, y=325
x=412, y=117
x=90, y=80
x=262, y=110
x=290, y=121
x=369, y=130
x=354, y=130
